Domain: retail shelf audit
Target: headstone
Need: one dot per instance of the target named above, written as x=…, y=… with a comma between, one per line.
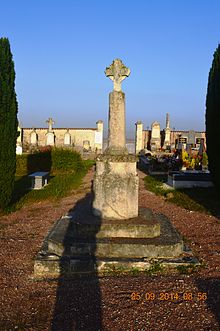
x=191, y=136
x=116, y=182
x=33, y=137
x=50, y=137
x=155, y=136
x=67, y=138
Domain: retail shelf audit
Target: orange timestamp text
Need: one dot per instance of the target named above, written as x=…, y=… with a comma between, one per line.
x=169, y=296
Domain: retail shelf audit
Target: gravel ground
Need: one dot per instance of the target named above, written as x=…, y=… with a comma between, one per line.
x=161, y=302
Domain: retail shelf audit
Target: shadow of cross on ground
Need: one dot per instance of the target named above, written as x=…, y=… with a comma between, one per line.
x=78, y=299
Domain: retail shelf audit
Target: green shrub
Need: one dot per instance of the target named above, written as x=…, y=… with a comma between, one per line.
x=53, y=160
x=65, y=159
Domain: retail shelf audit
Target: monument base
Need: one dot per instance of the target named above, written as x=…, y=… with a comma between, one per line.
x=81, y=243
x=116, y=187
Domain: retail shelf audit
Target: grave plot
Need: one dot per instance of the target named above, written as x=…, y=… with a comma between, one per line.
x=189, y=179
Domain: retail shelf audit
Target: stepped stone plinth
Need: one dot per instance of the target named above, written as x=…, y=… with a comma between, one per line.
x=82, y=243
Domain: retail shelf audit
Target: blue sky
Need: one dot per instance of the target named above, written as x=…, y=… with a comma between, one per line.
x=62, y=47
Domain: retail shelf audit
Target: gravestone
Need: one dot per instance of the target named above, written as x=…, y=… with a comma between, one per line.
x=67, y=138
x=155, y=136
x=50, y=137
x=33, y=137
x=116, y=181
x=191, y=136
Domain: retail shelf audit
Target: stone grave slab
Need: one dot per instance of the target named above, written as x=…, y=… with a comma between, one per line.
x=189, y=179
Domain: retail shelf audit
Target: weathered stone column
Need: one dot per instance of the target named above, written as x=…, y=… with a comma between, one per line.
x=115, y=183
x=116, y=124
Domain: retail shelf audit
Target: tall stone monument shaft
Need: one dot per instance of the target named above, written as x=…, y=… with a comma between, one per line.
x=116, y=182
x=117, y=72
x=116, y=133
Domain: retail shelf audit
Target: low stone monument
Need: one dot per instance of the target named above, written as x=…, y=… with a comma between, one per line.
x=116, y=181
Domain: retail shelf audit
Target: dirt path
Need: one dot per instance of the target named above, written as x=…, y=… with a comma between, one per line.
x=105, y=303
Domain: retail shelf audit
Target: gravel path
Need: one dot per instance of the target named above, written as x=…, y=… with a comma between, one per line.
x=162, y=302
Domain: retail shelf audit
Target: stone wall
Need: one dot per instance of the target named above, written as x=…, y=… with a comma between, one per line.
x=90, y=138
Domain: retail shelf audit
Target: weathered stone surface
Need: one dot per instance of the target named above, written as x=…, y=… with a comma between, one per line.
x=168, y=244
x=117, y=72
x=64, y=254
x=116, y=190
x=143, y=226
x=117, y=158
x=116, y=124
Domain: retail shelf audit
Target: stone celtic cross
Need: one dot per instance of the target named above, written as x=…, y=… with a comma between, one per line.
x=117, y=72
x=50, y=122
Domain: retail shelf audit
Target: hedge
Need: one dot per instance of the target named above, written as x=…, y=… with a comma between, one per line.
x=57, y=159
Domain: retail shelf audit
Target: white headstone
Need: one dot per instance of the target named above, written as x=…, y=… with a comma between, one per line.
x=155, y=130
x=50, y=138
x=67, y=138
x=33, y=138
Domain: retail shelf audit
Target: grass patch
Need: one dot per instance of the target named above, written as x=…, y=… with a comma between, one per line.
x=135, y=271
x=204, y=200
x=187, y=269
x=62, y=182
x=155, y=268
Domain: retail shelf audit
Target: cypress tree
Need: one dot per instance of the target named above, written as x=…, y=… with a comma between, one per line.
x=213, y=118
x=8, y=123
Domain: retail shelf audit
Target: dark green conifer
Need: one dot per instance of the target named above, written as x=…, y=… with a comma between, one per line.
x=213, y=118
x=8, y=123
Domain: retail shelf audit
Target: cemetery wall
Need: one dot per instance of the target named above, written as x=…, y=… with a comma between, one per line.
x=91, y=138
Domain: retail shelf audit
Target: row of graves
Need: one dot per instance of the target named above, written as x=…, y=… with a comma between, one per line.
x=186, y=167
